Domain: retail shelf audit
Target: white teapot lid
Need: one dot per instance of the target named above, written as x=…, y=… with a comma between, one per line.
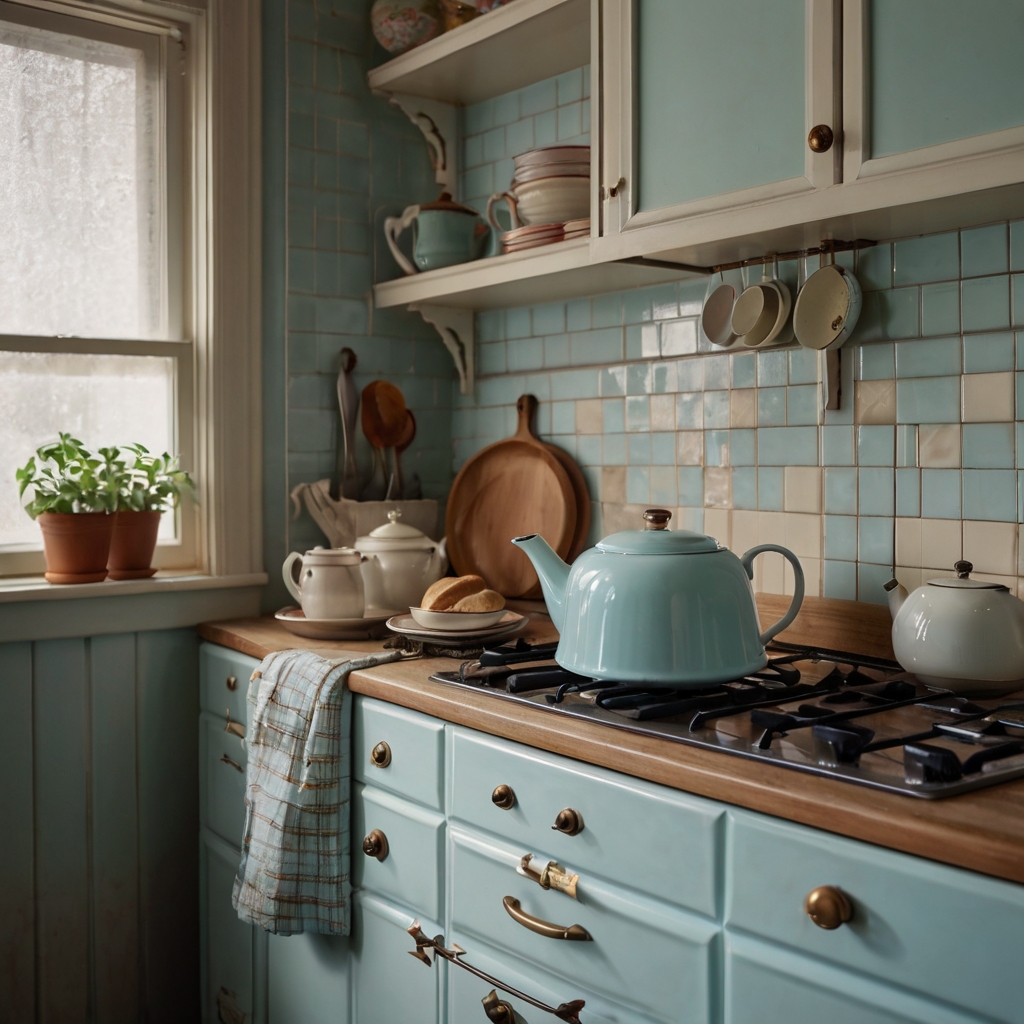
x=331, y=556
x=962, y=580
x=395, y=536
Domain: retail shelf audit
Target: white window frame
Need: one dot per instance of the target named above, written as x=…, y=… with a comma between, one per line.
x=217, y=328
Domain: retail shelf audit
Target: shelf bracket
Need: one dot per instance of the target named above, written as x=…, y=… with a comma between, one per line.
x=456, y=329
x=439, y=123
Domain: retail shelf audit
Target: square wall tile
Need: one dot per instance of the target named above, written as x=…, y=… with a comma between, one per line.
x=689, y=411
x=840, y=580
x=1018, y=299
x=876, y=361
x=841, y=491
x=931, y=258
x=876, y=446
x=990, y=494
x=769, y=488
x=941, y=543
x=663, y=485
x=871, y=581
x=614, y=416
x=988, y=397
x=803, y=534
x=690, y=480
x=803, y=366
x=928, y=400
x=908, y=542
x=841, y=538
x=908, y=492
x=803, y=489
x=939, y=445
x=716, y=373
x=743, y=447
x=906, y=445
x=802, y=404
x=988, y=353
x=985, y=303
x=991, y=547
x=771, y=407
x=744, y=488
x=787, y=446
x=988, y=445
x=940, y=493
x=744, y=370
x=875, y=539
x=940, y=308
x=875, y=401
x=690, y=448
x=716, y=409
x=638, y=412
x=934, y=357
x=663, y=412
x=876, y=489
x=663, y=448
x=613, y=483
x=874, y=267
x=678, y=337
x=590, y=416
x=638, y=485
x=772, y=369
x=716, y=447
x=743, y=407
x=613, y=450
x=984, y=251
x=898, y=312
x=638, y=449
x=1017, y=247
x=837, y=446
x=717, y=487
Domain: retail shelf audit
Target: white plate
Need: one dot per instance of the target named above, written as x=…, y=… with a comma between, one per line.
x=456, y=622
x=370, y=626
x=406, y=625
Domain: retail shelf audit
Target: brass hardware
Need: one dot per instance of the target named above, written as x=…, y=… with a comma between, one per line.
x=231, y=683
x=427, y=948
x=613, y=190
x=235, y=728
x=503, y=797
x=820, y=138
x=569, y=821
x=381, y=755
x=234, y=764
x=828, y=907
x=376, y=845
x=572, y=932
x=551, y=876
x=497, y=1009
x=657, y=518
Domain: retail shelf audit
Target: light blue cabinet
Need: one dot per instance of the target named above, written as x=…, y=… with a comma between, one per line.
x=695, y=909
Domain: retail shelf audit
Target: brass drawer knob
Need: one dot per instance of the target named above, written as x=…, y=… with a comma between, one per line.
x=376, y=845
x=828, y=907
x=231, y=683
x=381, y=755
x=820, y=138
x=503, y=797
x=569, y=821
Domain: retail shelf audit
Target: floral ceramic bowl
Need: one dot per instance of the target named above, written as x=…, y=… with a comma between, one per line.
x=399, y=25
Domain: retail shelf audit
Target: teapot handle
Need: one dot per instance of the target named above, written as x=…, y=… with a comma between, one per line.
x=288, y=574
x=393, y=227
x=747, y=561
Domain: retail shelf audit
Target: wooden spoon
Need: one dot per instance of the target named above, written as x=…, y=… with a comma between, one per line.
x=397, y=488
x=384, y=422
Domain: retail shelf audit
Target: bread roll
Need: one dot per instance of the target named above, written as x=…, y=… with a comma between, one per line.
x=481, y=601
x=440, y=596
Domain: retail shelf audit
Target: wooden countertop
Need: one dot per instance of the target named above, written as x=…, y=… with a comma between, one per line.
x=981, y=831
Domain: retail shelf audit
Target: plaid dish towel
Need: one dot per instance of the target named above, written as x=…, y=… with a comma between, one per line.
x=294, y=873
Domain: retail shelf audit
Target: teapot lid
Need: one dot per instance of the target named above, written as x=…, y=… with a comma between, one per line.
x=962, y=580
x=656, y=538
x=331, y=556
x=445, y=202
x=394, y=535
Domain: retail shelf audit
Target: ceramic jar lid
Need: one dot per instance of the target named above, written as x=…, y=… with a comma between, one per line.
x=657, y=539
x=331, y=556
x=395, y=536
x=962, y=580
x=445, y=202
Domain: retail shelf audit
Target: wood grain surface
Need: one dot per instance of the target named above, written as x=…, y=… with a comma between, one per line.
x=981, y=831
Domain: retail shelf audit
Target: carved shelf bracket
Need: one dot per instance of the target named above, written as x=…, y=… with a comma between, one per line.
x=456, y=329
x=439, y=123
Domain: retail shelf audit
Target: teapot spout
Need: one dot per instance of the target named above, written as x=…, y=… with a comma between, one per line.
x=897, y=595
x=553, y=573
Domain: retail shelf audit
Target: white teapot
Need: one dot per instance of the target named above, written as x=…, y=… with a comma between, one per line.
x=327, y=582
x=399, y=563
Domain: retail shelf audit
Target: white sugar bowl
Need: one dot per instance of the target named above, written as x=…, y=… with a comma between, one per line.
x=399, y=563
x=327, y=582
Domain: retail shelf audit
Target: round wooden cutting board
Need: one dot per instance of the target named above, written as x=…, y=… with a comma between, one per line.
x=508, y=489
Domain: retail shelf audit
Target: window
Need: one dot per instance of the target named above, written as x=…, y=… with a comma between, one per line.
x=96, y=333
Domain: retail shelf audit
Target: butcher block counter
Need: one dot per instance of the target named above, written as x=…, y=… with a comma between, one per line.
x=981, y=831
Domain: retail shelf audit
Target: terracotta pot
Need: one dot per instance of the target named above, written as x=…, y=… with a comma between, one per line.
x=133, y=544
x=76, y=545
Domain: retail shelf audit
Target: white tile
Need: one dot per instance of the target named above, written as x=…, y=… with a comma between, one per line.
x=939, y=445
x=589, y=416
x=987, y=397
x=941, y=543
x=716, y=524
x=744, y=530
x=772, y=573
x=771, y=527
x=875, y=401
x=908, y=543
x=803, y=489
x=663, y=412
x=689, y=448
x=613, y=484
x=812, y=577
x=910, y=576
x=991, y=547
x=803, y=535
x=1010, y=582
x=743, y=408
x=717, y=487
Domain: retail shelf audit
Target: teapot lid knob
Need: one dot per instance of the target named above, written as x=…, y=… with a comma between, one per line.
x=394, y=515
x=963, y=569
x=657, y=518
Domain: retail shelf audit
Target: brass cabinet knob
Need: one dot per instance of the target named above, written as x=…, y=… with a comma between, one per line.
x=503, y=797
x=568, y=821
x=381, y=755
x=828, y=907
x=820, y=138
x=376, y=845
x=231, y=682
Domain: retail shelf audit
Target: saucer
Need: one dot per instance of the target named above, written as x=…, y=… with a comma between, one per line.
x=369, y=627
x=405, y=625
x=456, y=622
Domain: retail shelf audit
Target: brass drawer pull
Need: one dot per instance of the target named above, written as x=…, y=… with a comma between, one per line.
x=376, y=845
x=568, y=821
x=572, y=932
x=551, y=876
x=235, y=728
x=496, y=1010
x=234, y=764
x=231, y=683
x=828, y=907
x=503, y=797
x=381, y=755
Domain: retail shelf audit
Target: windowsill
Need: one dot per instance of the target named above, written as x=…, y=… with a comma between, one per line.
x=35, y=588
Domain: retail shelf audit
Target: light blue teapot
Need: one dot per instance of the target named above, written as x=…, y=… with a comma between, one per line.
x=445, y=233
x=660, y=607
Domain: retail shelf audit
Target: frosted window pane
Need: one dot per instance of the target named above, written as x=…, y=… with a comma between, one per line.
x=79, y=229
x=102, y=400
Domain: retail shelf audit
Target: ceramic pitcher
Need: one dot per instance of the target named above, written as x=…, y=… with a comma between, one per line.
x=327, y=582
x=445, y=233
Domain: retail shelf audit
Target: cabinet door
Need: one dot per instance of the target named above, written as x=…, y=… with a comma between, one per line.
x=308, y=979
x=933, y=82
x=708, y=105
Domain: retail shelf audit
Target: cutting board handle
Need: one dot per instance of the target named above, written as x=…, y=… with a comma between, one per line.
x=526, y=407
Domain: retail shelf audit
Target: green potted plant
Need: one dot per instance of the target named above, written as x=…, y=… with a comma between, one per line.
x=73, y=496
x=150, y=486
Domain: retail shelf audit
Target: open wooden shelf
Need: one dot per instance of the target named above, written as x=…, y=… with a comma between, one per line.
x=545, y=274
x=508, y=48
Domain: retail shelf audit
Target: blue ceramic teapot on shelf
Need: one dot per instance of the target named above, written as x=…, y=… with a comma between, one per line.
x=445, y=233
x=660, y=607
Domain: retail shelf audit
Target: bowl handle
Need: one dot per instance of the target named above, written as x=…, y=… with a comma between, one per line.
x=747, y=561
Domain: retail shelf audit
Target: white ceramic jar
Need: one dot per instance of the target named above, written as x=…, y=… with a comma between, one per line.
x=327, y=582
x=400, y=562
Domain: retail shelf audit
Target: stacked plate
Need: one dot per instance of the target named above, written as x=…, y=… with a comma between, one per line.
x=532, y=236
x=450, y=636
x=577, y=228
x=551, y=162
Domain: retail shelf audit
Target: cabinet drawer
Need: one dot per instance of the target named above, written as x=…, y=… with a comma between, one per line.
x=415, y=743
x=222, y=784
x=411, y=872
x=951, y=934
x=224, y=680
x=643, y=835
x=643, y=952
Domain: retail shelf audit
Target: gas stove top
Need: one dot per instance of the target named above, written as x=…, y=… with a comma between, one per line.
x=849, y=717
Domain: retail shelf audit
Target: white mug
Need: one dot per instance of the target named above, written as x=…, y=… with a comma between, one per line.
x=327, y=582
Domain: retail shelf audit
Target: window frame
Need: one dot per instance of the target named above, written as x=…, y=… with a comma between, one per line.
x=213, y=262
